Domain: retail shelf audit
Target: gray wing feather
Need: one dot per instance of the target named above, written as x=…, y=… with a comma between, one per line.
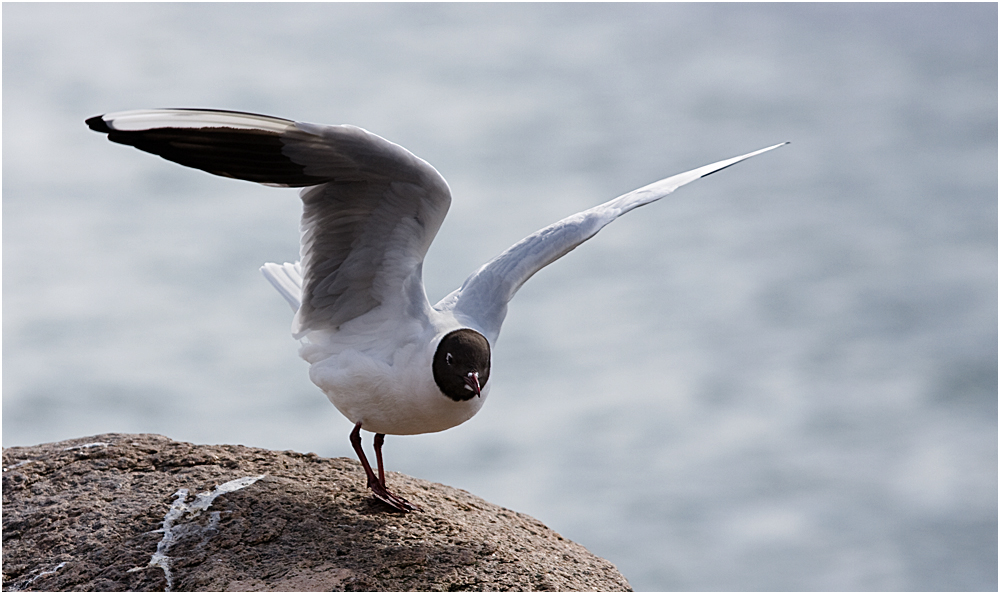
x=364, y=233
x=371, y=208
x=482, y=300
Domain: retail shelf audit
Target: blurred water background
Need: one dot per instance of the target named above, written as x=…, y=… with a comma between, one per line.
x=782, y=377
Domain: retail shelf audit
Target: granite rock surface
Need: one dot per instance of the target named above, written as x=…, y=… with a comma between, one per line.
x=143, y=512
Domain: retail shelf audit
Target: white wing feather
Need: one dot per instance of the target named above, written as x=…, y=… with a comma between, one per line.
x=482, y=300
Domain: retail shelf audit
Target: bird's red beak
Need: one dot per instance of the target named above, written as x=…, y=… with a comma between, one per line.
x=472, y=380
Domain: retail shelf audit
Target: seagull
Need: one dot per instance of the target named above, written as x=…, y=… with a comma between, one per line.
x=391, y=362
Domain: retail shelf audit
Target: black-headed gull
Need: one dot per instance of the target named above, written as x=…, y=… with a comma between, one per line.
x=390, y=361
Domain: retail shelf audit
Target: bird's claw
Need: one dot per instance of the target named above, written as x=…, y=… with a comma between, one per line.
x=394, y=501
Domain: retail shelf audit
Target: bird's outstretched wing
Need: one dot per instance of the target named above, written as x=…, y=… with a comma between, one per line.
x=371, y=208
x=482, y=299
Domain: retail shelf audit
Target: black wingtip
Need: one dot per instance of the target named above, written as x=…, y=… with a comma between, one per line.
x=97, y=124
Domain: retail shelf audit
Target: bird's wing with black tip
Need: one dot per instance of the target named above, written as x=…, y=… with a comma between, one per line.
x=482, y=299
x=371, y=207
x=230, y=144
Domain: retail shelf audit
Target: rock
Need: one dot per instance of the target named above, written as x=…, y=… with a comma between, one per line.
x=143, y=512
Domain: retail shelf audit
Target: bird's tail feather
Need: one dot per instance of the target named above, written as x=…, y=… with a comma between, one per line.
x=287, y=279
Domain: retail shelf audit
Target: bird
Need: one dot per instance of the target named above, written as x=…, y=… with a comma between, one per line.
x=390, y=361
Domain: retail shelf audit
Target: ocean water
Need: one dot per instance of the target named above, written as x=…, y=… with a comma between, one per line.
x=783, y=377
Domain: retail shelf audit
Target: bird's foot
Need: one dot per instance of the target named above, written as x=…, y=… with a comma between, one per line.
x=393, y=501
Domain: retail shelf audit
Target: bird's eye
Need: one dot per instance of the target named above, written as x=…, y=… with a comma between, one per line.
x=449, y=359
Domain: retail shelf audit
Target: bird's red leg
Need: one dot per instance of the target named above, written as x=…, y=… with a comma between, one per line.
x=379, y=440
x=377, y=484
x=356, y=443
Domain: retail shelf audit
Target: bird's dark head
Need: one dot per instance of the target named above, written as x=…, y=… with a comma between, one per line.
x=462, y=364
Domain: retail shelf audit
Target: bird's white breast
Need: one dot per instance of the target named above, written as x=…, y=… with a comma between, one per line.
x=377, y=371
